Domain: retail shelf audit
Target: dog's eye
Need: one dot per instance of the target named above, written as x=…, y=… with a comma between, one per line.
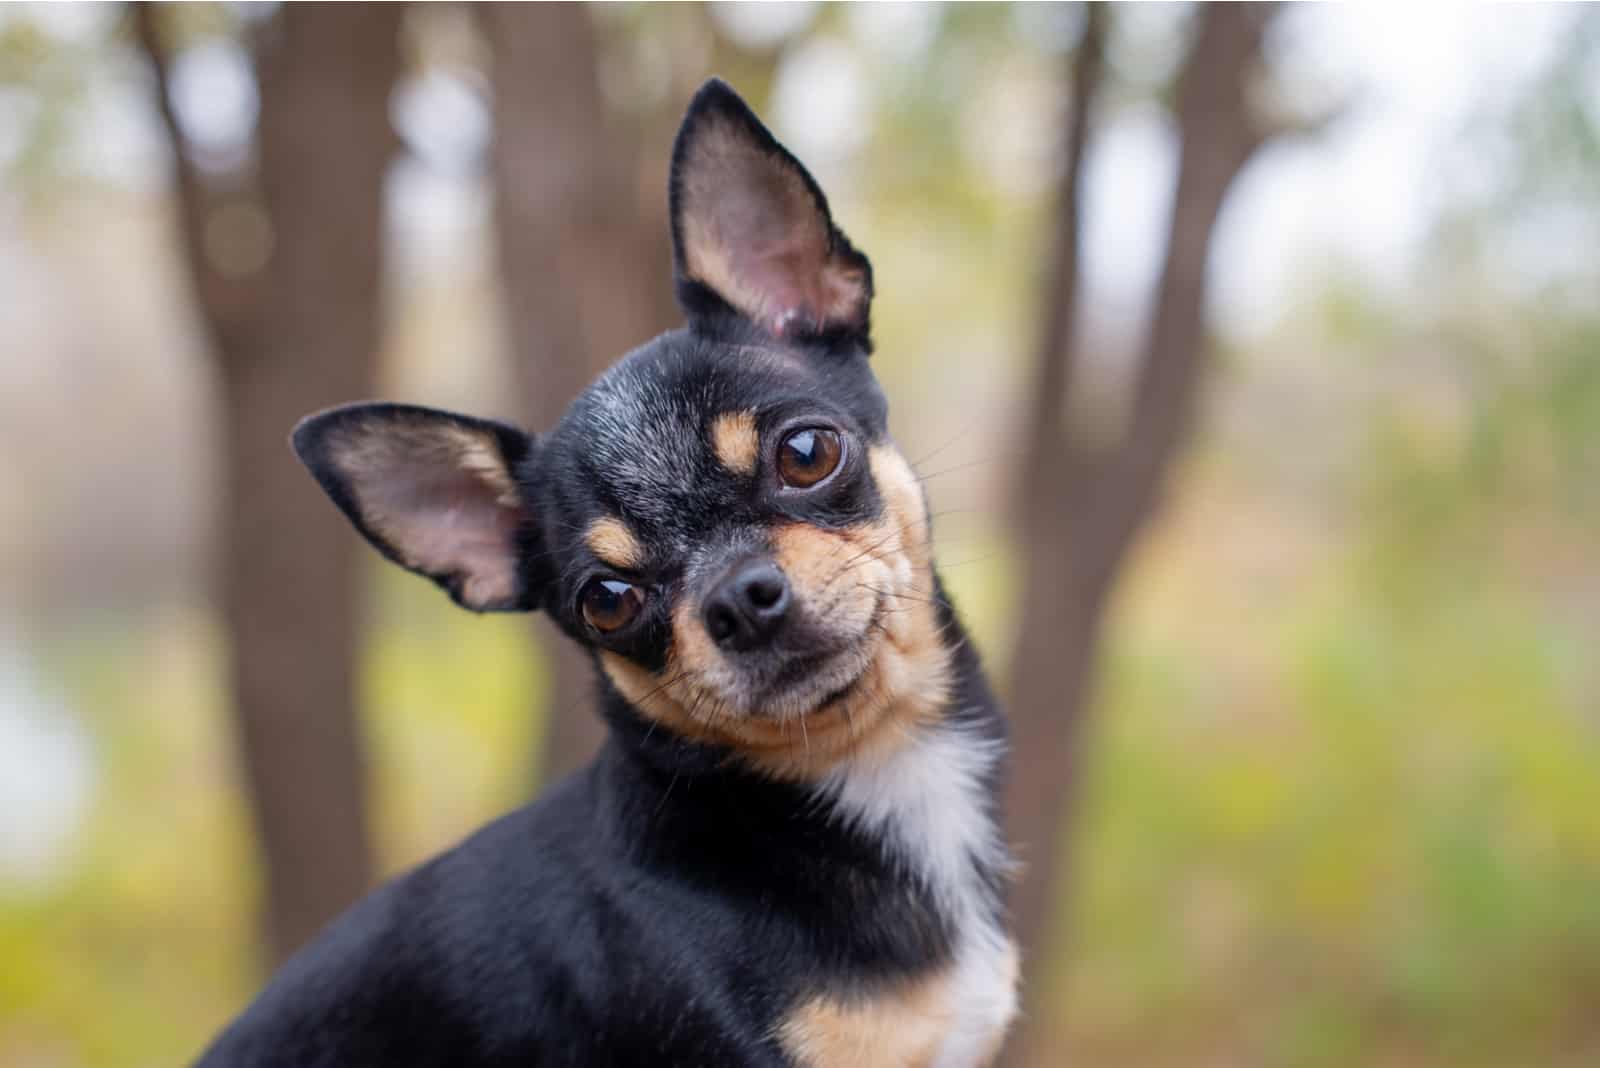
x=611, y=604
x=806, y=457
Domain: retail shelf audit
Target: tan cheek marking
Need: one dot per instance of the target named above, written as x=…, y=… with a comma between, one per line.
x=645, y=692
x=902, y=1027
x=812, y=559
x=612, y=541
x=692, y=648
x=844, y=573
x=903, y=494
x=734, y=438
x=915, y=664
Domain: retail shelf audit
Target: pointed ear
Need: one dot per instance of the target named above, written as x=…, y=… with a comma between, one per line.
x=434, y=492
x=751, y=231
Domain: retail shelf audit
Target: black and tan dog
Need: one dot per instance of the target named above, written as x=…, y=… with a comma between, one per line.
x=787, y=851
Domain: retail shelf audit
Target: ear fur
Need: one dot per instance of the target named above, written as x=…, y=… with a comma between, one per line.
x=751, y=232
x=433, y=491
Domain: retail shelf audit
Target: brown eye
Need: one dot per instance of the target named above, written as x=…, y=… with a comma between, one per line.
x=611, y=604
x=806, y=457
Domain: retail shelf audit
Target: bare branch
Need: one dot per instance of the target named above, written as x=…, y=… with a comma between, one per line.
x=1057, y=353
x=1219, y=132
x=225, y=302
x=1306, y=124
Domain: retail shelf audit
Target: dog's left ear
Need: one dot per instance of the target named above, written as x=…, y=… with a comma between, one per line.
x=751, y=231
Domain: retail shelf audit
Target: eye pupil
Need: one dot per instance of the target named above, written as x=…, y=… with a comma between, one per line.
x=806, y=457
x=611, y=604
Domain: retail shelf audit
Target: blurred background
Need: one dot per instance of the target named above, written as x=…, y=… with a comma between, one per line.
x=1251, y=358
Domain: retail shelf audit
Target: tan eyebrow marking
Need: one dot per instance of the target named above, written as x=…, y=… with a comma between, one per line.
x=735, y=441
x=612, y=541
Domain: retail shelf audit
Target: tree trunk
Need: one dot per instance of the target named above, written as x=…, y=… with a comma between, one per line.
x=1058, y=628
x=584, y=261
x=286, y=263
x=1081, y=507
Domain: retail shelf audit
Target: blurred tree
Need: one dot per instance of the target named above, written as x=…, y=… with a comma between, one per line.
x=584, y=259
x=1082, y=504
x=284, y=255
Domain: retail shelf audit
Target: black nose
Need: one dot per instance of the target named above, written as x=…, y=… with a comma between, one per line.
x=748, y=606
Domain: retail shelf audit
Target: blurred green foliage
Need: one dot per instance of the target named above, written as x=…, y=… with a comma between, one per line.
x=145, y=945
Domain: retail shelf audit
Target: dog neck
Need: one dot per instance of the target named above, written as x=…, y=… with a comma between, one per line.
x=891, y=860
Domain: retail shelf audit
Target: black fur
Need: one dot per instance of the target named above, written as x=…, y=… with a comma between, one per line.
x=666, y=905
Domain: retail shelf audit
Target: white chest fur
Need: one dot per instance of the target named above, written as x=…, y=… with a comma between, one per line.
x=926, y=801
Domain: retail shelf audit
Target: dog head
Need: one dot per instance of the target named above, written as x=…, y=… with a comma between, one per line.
x=721, y=517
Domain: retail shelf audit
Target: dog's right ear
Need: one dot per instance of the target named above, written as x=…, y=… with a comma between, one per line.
x=433, y=491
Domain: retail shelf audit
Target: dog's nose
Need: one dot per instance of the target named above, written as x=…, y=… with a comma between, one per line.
x=747, y=608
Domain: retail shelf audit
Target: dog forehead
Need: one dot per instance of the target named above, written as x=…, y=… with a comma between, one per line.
x=645, y=448
x=662, y=439
x=639, y=439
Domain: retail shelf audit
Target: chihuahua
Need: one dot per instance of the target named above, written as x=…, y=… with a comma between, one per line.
x=787, y=851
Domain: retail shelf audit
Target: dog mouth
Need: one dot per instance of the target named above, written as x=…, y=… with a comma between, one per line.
x=844, y=691
x=795, y=691
x=803, y=683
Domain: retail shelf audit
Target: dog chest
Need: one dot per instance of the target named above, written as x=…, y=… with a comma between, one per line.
x=926, y=802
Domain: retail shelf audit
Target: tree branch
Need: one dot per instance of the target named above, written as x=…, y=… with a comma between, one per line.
x=1057, y=350
x=226, y=303
x=1219, y=132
